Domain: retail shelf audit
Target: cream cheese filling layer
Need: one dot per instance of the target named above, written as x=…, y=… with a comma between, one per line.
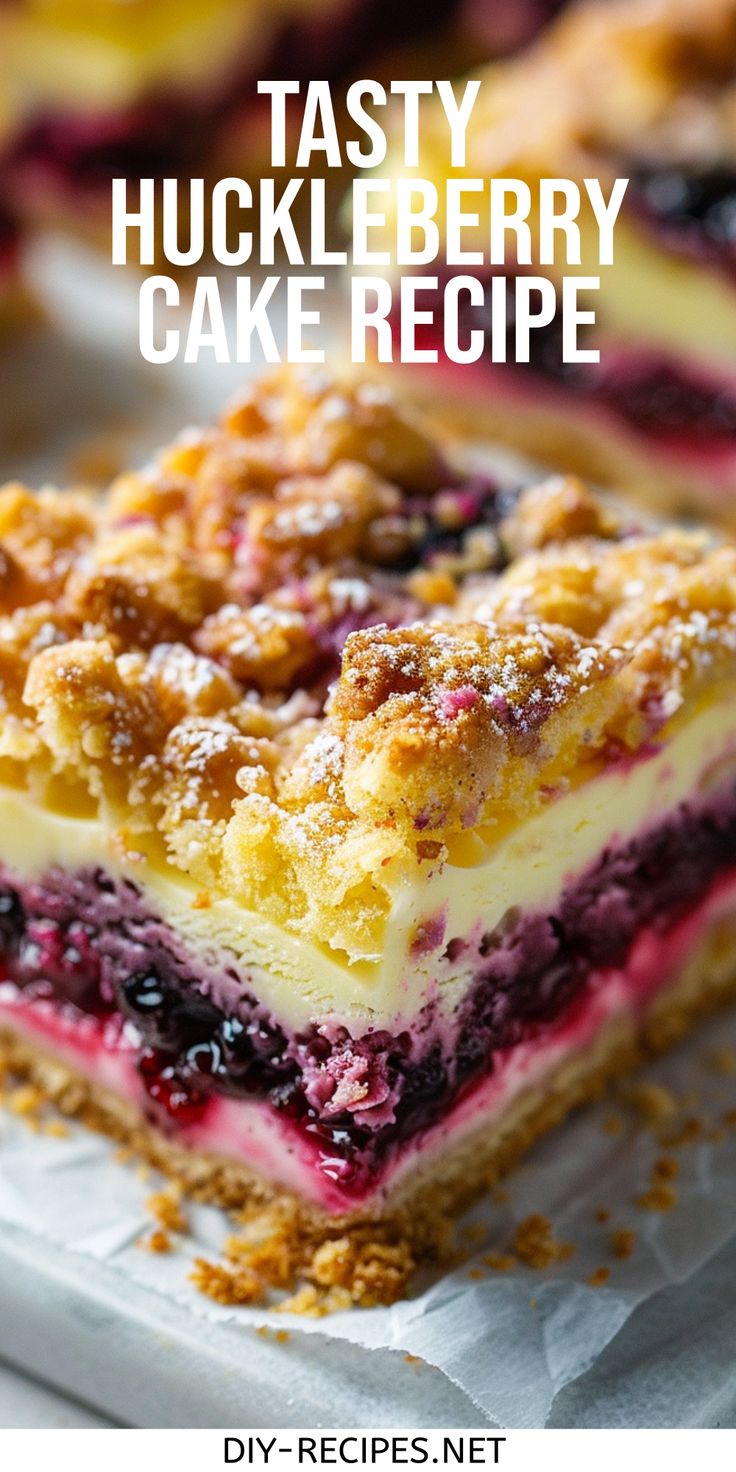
x=527, y=867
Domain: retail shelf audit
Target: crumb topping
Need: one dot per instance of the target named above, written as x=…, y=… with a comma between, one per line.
x=275, y=659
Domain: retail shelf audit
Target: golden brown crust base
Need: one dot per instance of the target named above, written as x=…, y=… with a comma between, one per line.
x=369, y=1256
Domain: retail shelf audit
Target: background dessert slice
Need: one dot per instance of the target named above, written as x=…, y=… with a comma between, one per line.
x=98, y=90
x=645, y=93
x=359, y=817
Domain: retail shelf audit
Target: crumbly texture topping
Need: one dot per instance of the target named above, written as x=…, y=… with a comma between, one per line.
x=302, y=654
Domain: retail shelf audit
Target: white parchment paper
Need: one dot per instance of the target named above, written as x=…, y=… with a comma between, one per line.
x=511, y=1341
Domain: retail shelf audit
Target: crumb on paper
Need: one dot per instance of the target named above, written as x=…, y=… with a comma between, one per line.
x=476, y=1274
x=598, y=1277
x=272, y=1259
x=653, y=1103
x=279, y=1336
x=722, y=1060
x=602, y=1215
x=374, y=1271
x=689, y=1131
x=277, y=1250
x=306, y=1300
x=623, y=1242
x=535, y=1243
x=158, y=1241
x=661, y=1195
x=665, y=1169
x=413, y=1359
x=612, y=1124
x=225, y=1286
x=500, y=1262
x=56, y=1129
x=658, y=1198
x=315, y=1304
x=165, y=1207
x=474, y=1233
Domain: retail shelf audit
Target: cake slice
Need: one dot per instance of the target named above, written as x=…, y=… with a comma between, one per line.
x=358, y=817
x=643, y=90
x=95, y=89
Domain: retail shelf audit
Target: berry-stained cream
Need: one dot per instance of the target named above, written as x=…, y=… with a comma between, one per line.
x=349, y=802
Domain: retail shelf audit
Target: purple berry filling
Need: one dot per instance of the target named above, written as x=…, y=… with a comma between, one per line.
x=91, y=944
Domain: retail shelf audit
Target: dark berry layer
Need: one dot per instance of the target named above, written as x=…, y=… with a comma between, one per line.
x=92, y=946
x=693, y=209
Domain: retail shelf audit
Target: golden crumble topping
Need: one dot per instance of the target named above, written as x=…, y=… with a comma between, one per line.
x=270, y=660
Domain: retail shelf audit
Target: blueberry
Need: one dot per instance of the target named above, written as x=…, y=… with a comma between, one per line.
x=146, y=993
x=12, y=921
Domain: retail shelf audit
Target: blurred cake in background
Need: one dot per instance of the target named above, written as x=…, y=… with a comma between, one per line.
x=97, y=88
x=642, y=89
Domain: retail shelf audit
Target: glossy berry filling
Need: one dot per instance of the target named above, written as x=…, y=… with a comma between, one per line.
x=90, y=945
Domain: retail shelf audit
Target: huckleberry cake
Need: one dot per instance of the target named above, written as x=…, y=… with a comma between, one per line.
x=358, y=817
